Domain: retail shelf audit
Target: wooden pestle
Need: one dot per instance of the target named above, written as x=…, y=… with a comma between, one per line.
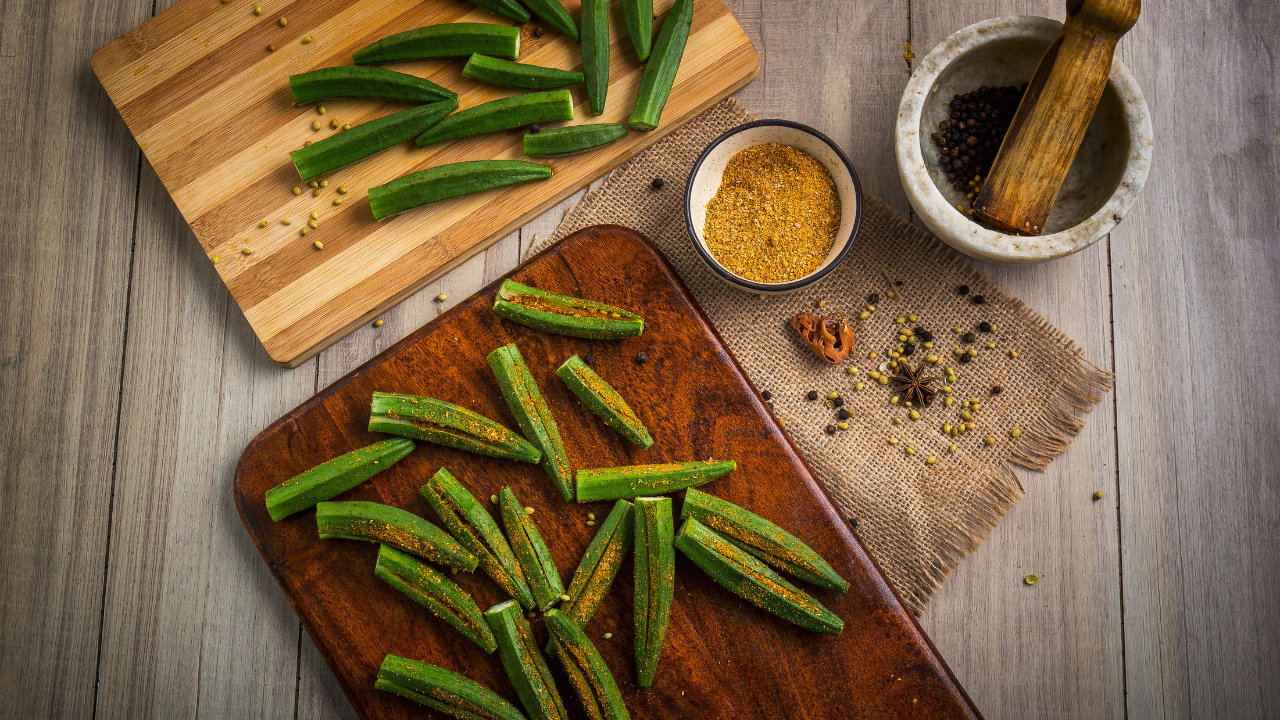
x=1049, y=126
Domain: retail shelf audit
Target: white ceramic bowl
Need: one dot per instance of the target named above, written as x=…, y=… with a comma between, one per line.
x=1103, y=183
x=704, y=182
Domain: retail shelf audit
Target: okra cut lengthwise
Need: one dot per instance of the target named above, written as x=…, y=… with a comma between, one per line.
x=365, y=82
x=587, y=671
x=401, y=529
x=761, y=538
x=563, y=314
x=655, y=567
x=431, y=589
x=752, y=580
x=443, y=690
x=531, y=551
x=475, y=530
x=334, y=477
x=604, y=401
x=660, y=72
x=600, y=563
x=452, y=180
x=532, y=414
x=368, y=138
x=443, y=423
x=636, y=480
x=505, y=114
x=441, y=41
x=506, y=73
x=524, y=663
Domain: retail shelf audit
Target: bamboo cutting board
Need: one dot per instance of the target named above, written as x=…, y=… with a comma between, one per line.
x=723, y=658
x=210, y=106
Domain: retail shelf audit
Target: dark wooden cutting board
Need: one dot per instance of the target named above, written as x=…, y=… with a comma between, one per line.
x=723, y=657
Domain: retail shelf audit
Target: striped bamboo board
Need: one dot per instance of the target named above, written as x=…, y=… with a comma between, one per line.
x=210, y=106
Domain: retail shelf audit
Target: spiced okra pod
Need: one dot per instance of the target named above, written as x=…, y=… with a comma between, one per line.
x=334, y=477
x=659, y=479
x=431, y=589
x=401, y=529
x=533, y=416
x=655, y=566
x=587, y=671
x=524, y=663
x=600, y=563
x=443, y=690
x=604, y=401
x=443, y=423
x=531, y=551
x=564, y=314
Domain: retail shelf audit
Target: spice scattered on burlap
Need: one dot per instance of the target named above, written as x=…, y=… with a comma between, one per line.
x=919, y=505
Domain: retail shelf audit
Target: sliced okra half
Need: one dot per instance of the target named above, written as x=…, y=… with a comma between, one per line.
x=437, y=593
x=524, y=662
x=531, y=551
x=636, y=480
x=471, y=524
x=443, y=423
x=604, y=401
x=563, y=314
x=443, y=690
x=587, y=671
x=532, y=414
x=600, y=564
x=401, y=529
x=655, y=566
x=334, y=477
x=752, y=580
x=761, y=538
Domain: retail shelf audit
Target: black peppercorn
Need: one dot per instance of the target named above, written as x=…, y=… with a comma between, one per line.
x=537, y=32
x=968, y=337
x=589, y=359
x=657, y=184
x=534, y=127
x=854, y=522
x=873, y=298
x=978, y=300
x=984, y=326
x=963, y=290
x=908, y=349
x=813, y=395
x=966, y=359
x=642, y=357
x=838, y=402
x=766, y=395
x=924, y=335
x=996, y=389
x=844, y=414
x=831, y=429
x=898, y=283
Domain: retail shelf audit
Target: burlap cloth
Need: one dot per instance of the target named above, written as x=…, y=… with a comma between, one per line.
x=917, y=519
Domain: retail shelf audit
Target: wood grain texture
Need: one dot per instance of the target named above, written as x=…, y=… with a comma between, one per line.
x=67, y=178
x=1197, y=314
x=714, y=654
x=210, y=107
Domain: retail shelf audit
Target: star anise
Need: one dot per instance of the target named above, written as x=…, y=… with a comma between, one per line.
x=913, y=384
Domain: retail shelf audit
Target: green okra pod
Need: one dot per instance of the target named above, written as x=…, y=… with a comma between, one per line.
x=431, y=589
x=506, y=8
x=655, y=582
x=524, y=663
x=365, y=82
x=506, y=73
x=563, y=314
x=443, y=691
x=595, y=52
x=660, y=72
x=334, y=477
x=752, y=580
x=531, y=551
x=504, y=114
x=639, y=17
x=448, y=181
x=444, y=40
x=475, y=529
x=556, y=142
x=555, y=15
x=761, y=538
x=604, y=401
x=533, y=416
x=635, y=480
x=401, y=529
x=368, y=138
x=443, y=423
x=587, y=671
x=600, y=563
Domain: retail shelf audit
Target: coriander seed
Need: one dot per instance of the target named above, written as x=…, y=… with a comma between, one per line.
x=377, y=323
x=989, y=441
x=318, y=245
x=1098, y=495
x=1016, y=432
x=283, y=21
x=297, y=190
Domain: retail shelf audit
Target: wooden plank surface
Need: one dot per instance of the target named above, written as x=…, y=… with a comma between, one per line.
x=208, y=104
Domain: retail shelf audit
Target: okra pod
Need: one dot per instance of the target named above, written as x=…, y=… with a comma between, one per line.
x=505, y=114
x=401, y=529
x=475, y=529
x=660, y=72
x=432, y=420
x=556, y=142
x=524, y=663
x=660, y=479
x=444, y=40
x=443, y=691
x=563, y=314
x=506, y=8
x=533, y=416
x=587, y=671
x=555, y=15
x=365, y=82
x=334, y=477
x=761, y=538
x=368, y=138
x=595, y=52
x=600, y=564
x=639, y=17
x=531, y=551
x=655, y=582
x=506, y=73
x=437, y=593
x=752, y=580
x=447, y=181
x=604, y=401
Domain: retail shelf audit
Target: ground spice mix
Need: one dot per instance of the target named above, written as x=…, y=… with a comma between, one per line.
x=775, y=215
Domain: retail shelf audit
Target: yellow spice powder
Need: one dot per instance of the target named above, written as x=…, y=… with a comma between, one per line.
x=775, y=215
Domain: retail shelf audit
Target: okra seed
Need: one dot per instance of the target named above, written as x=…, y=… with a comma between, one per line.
x=307, y=144
x=271, y=48
x=283, y=21
x=897, y=421
x=843, y=426
x=1030, y=579
x=946, y=402
x=884, y=380
x=297, y=190
x=342, y=189
x=334, y=123
x=893, y=400
x=822, y=303
x=864, y=315
x=306, y=40
x=564, y=598
x=493, y=499
x=852, y=370
x=608, y=636
x=346, y=126
x=890, y=293
x=246, y=251
x=911, y=318
x=871, y=308
x=991, y=346
x=1013, y=354
x=441, y=297
x=591, y=522
x=931, y=358
x=324, y=183
x=591, y=516
x=377, y=323
x=1016, y=432
x=262, y=223
x=907, y=403
x=318, y=245
x=528, y=511
x=901, y=320
x=928, y=346
x=946, y=428
x=833, y=396
x=315, y=124
x=993, y=327
x=1098, y=495
x=965, y=414
x=871, y=354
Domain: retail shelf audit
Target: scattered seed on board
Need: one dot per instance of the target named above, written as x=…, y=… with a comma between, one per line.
x=1030, y=579
x=312, y=224
x=214, y=259
x=271, y=48
x=246, y=251
x=315, y=124
x=342, y=189
x=315, y=193
x=257, y=9
x=528, y=511
x=334, y=123
x=346, y=126
x=318, y=245
x=315, y=215
x=283, y=21
x=493, y=499
x=377, y=323
x=304, y=232
x=297, y=190
x=324, y=183
x=262, y=223
x=285, y=221
x=306, y=40
x=1098, y=495
x=337, y=201
x=314, y=184
x=441, y=297
x=564, y=598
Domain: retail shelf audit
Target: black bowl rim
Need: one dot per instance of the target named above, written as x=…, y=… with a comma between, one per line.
x=751, y=284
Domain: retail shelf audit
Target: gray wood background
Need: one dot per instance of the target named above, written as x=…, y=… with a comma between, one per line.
x=130, y=382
